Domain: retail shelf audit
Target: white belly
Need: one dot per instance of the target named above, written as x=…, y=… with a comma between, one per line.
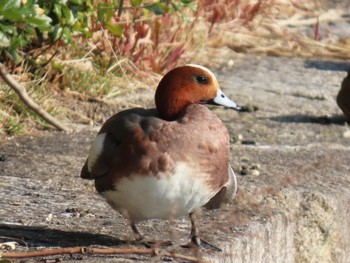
x=162, y=197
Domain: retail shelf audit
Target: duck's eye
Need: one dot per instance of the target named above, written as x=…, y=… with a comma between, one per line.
x=201, y=79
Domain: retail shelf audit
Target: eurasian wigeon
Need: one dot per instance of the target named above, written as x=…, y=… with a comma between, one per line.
x=166, y=162
x=343, y=97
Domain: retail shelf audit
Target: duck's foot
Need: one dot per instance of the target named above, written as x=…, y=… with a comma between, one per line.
x=155, y=244
x=137, y=235
x=209, y=245
x=197, y=242
x=139, y=240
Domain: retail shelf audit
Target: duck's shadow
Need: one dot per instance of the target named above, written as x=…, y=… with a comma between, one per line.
x=36, y=236
x=300, y=118
x=327, y=65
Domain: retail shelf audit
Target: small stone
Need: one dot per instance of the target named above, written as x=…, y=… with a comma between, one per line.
x=248, y=142
x=255, y=172
x=230, y=63
x=244, y=170
x=89, y=215
x=73, y=210
x=346, y=134
x=234, y=139
x=49, y=218
x=249, y=108
x=255, y=166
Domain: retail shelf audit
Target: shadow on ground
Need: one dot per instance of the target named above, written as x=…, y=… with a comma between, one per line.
x=327, y=65
x=36, y=236
x=301, y=118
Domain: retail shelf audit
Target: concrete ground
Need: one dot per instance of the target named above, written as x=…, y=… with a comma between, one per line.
x=290, y=151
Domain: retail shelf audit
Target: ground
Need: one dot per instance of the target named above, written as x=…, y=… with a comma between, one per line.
x=290, y=151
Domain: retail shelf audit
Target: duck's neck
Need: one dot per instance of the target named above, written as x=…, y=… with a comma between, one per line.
x=171, y=110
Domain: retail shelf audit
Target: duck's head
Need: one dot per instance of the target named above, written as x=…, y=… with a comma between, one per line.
x=186, y=85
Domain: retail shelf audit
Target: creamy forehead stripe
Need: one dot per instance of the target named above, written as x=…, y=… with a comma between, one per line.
x=95, y=150
x=199, y=66
x=206, y=70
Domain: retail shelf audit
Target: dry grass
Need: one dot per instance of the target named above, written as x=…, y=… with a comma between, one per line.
x=14, y=115
x=286, y=28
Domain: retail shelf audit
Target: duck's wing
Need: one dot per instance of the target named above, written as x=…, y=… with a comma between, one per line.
x=226, y=193
x=100, y=154
x=105, y=148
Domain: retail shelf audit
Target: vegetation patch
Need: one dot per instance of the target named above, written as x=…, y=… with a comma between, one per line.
x=99, y=49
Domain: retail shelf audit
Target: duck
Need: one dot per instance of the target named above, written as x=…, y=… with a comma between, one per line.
x=168, y=161
x=343, y=97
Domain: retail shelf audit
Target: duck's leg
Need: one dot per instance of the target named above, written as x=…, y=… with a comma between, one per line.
x=195, y=239
x=194, y=230
x=149, y=244
x=138, y=236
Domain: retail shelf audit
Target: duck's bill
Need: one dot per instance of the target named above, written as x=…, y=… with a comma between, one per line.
x=223, y=100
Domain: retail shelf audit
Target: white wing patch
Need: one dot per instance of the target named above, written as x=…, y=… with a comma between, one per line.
x=232, y=178
x=95, y=150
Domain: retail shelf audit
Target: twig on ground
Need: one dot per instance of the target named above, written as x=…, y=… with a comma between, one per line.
x=82, y=118
x=22, y=93
x=84, y=97
x=99, y=251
